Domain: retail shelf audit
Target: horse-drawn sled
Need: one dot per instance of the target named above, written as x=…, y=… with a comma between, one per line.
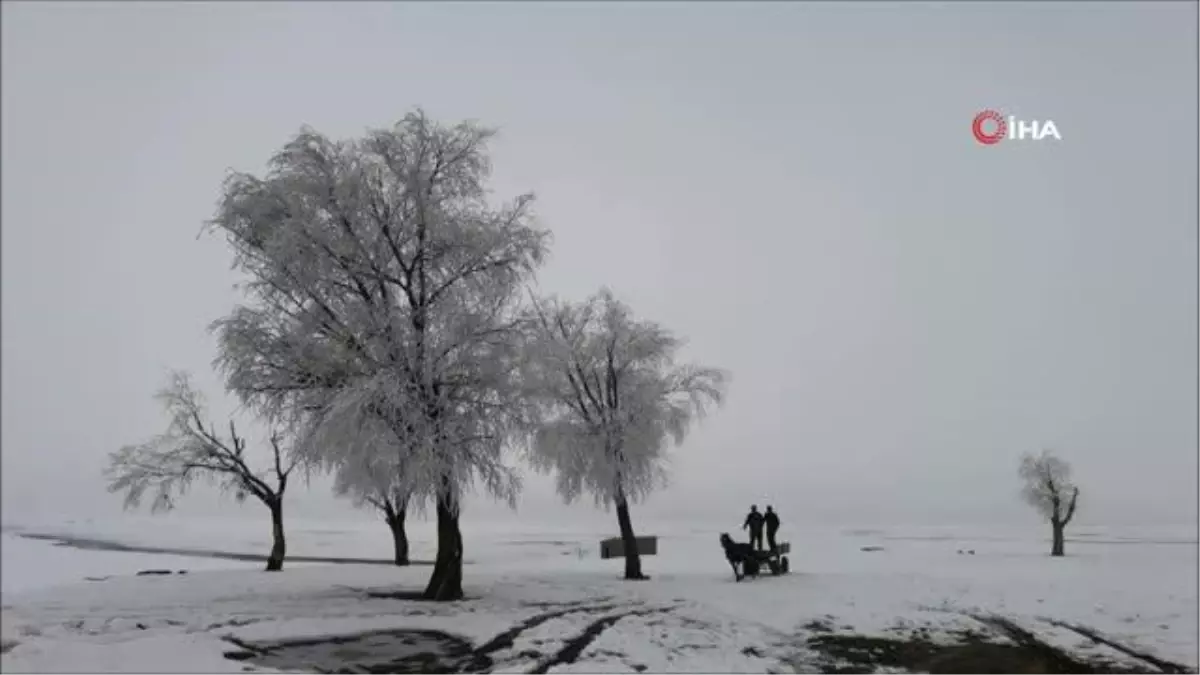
x=748, y=562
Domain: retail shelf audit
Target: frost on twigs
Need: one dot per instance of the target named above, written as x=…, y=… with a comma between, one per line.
x=1047, y=486
x=193, y=448
x=612, y=399
x=381, y=314
x=372, y=482
x=382, y=294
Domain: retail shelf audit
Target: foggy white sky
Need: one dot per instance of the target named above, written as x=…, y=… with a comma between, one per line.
x=792, y=186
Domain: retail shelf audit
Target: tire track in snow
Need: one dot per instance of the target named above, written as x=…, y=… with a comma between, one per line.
x=575, y=646
x=1047, y=653
x=1163, y=665
x=508, y=638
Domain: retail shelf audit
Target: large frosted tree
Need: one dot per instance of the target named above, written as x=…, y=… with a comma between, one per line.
x=382, y=309
x=613, y=399
x=1047, y=487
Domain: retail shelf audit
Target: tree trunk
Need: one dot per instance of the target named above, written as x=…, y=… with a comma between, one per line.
x=279, y=541
x=446, y=581
x=395, y=521
x=633, y=561
x=1056, y=548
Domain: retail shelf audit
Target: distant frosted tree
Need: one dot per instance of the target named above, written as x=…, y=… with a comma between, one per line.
x=169, y=463
x=1048, y=488
x=613, y=399
x=382, y=310
x=377, y=487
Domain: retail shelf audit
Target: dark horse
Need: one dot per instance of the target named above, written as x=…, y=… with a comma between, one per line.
x=738, y=553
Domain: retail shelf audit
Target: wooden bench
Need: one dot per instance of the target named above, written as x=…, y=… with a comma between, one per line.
x=784, y=547
x=615, y=548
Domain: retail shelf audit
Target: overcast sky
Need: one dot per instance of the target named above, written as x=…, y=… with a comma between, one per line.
x=794, y=187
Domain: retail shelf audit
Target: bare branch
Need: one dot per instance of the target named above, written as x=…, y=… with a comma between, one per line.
x=1071, y=506
x=168, y=464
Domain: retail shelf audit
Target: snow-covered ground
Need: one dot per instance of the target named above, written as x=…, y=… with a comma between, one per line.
x=567, y=610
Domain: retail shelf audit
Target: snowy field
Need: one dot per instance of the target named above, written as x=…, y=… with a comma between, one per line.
x=542, y=601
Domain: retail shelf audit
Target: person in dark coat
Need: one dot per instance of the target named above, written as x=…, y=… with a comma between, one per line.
x=754, y=522
x=771, y=520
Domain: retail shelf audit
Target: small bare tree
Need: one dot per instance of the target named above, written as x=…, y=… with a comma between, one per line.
x=1048, y=488
x=168, y=463
x=394, y=507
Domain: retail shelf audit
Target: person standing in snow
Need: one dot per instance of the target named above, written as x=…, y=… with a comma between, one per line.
x=771, y=520
x=754, y=522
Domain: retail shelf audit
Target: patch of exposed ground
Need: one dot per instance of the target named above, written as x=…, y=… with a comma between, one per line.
x=397, y=651
x=995, y=645
x=426, y=651
x=1004, y=647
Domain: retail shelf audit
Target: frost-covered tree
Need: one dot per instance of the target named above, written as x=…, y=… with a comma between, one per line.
x=192, y=448
x=613, y=398
x=1048, y=488
x=376, y=486
x=382, y=310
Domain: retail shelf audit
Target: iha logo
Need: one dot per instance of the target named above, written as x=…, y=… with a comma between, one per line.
x=990, y=127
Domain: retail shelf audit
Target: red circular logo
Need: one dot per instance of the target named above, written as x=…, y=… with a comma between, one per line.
x=989, y=137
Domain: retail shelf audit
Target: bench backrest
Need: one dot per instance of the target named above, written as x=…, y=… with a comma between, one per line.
x=615, y=548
